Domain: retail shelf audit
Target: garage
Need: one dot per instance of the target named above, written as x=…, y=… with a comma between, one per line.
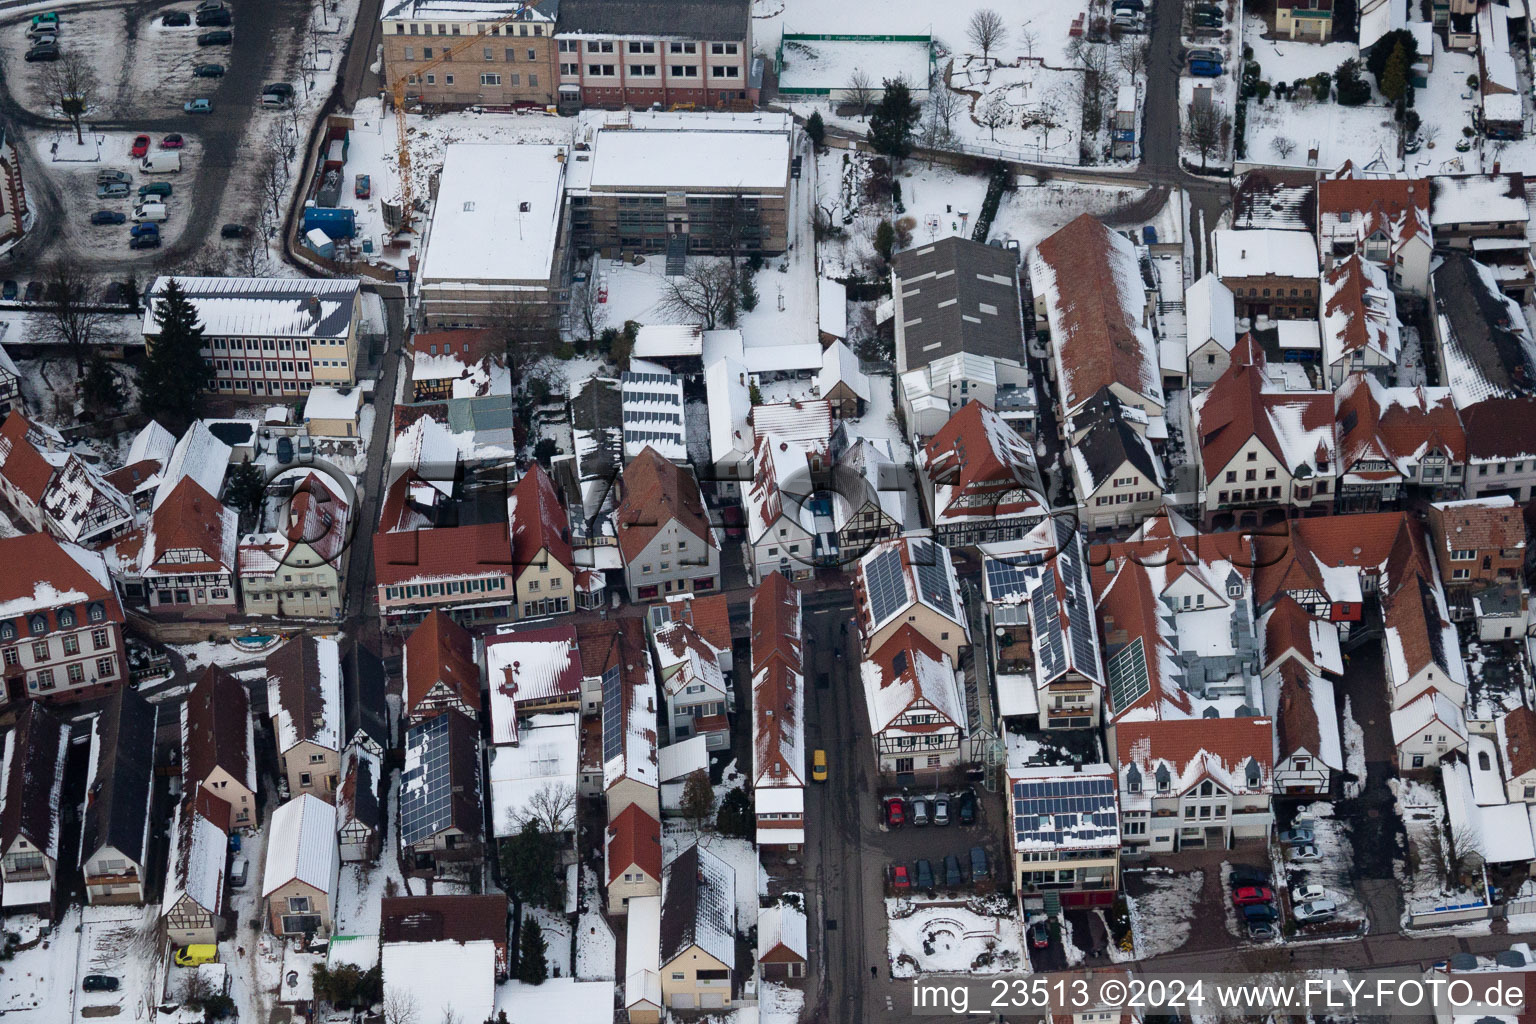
x=682, y=1000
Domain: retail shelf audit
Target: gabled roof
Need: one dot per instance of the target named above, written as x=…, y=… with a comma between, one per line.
x=21, y=462
x=982, y=468
x=440, y=781
x=426, y=555
x=1266, y=252
x=1095, y=299
x=730, y=407
x=529, y=666
x=304, y=693
x=781, y=926
x=655, y=493
x=780, y=464
x=1235, y=753
x=301, y=846
x=1429, y=706
x=1517, y=741
x=198, y=455
x=1500, y=428
x=1478, y=524
x=56, y=574
x=365, y=685
x=1488, y=348
x=81, y=504
x=698, y=906
x=117, y=795
x=634, y=840
x=399, y=511
x=317, y=518
x=32, y=764
x=1109, y=441
x=469, y=358
x=775, y=614
x=188, y=519
x=685, y=658
x=199, y=848
x=840, y=366
x=1296, y=427
x=538, y=520
x=1398, y=426
x=1305, y=720
x=1353, y=206
x=1210, y=313
x=958, y=296
x=440, y=650
x=906, y=670
x=459, y=918
x=357, y=795
x=710, y=615
x=629, y=715
x=1420, y=634
x=897, y=574
x=217, y=731
x=1359, y=312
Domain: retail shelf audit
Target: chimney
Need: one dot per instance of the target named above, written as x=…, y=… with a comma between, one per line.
x=312, y=307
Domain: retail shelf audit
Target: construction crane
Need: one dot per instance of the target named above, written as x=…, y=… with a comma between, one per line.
x=403, y=156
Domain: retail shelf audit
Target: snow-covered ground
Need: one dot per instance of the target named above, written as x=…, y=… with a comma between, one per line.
x=976, y=936
x=1422, y=875
x=39, y=983
x=557, y=939
x=1161, y=917
x=1331, y=837
x=596, y=946
x=123, y=942
x=1354, y=751
x=1024, y=105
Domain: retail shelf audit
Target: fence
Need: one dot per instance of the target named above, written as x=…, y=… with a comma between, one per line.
x=1441, y=916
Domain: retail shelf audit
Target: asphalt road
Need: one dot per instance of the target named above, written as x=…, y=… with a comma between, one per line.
x=224, y=135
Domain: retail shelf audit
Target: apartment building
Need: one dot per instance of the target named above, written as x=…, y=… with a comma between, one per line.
x=492, y=53
x=269, y=337
x=1271, y=272
x=1066, y=834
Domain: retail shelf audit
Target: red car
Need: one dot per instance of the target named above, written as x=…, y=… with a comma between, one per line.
x=1252, y=895
x=172, y=142
x=895, y=812
x=140, y=146
x=901, y=880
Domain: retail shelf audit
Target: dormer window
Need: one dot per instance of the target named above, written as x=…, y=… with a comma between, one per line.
x=1253, y=774
x=37, y=624
x=1164, y=780
x=7, y=631
x=97, y=612
x=1133, y=779
x=66, y=618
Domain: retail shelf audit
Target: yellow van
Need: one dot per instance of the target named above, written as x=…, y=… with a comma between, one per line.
x=819, y=766
x=197, y=955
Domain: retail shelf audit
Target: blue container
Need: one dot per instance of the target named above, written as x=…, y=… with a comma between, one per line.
x=340, y=222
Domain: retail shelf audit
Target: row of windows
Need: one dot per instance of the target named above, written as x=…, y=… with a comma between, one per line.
x=41, y=651
x=1121, y=499
x=1254, y=293
x=509, y=54
x=1249, y=475
x=263, y=344
x=66, y=618
x=239, y=366
x=495, y=583
x=489, y=78
x=443, y=30
x=255, y=387
x=651, y=71
x=73, y=674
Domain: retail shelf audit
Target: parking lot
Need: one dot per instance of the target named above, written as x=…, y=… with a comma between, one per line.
x=144, y=77
x=908, y=843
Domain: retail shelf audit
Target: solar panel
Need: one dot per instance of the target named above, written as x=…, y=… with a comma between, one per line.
x=886, y=584
x=1057, y=811
x=426, y=786
x=932, y=576
x=1046, y=627
x=1085, y=655
x=613, y=715
x=1128, y=679
x=1010, y=578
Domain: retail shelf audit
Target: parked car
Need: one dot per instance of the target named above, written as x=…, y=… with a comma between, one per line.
x=924, y=875
x=1315, y=910
x=99, y=983
x=1129, y=5
x=1296, y=836
x=819, y=766
x=965, y=807
x=1214, y=56
x=8, y=291
x=140, y=146
x=895, y=809
x=901, y=878
x=43, y=53
x=1247, y=874
x=210, y=5
x=214, y=19
x=1204, y=69
x=1209, y=9
x=208, y=70
x=144, y=242
x=282, y=89
x=239, y=872
x=921, y=814
x=46, y=18
x=144, y=230
x=112, y=190
x=1261, y=931
x=1306, y=893
x=1205, y=21
x=285, y=450
x=1039, y=935
x=980, y=869
x=45, y=39
x=155, y=188
x=221, y=37
x=107, y=217
x=198, y=106
x=108, y=177
x=1258, y=912
x=952, y=876
x=1306, y=853
x=196, y=955
x=233, y=231
x=941, y=810
x=176, y=18
x=1249, y=895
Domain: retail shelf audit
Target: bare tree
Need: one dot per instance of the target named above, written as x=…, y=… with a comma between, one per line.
x=525, y=330
x=1284, y=146
x=71, y=85
x=994, y=113
x=986, y=31
x=701, y=295
x=1096, y=84
x=1461, y=851
x=592, y=313
x=400, y=1006
x=1431, y=133
x=1202, y=130
x=861, y=92
x=550, y=808
x=272, y=180
x=253, y=258
x=1028, y=38
x=1131, y=57
x=938, y=124
x=69, y=317
x=698, y=799
x=1049, y=113
x=451, y=1016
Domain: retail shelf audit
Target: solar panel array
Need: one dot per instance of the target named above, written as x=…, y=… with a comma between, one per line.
x=932, y=576
x=887, y=585
x=1056, y=811
x=1050, y=646
x=1010, y=577
x=1084, y=654
x=1128, y=679
x=426, y=786
x=613, y=715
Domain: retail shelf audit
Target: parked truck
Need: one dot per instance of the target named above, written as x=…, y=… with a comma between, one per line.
x=161, y=162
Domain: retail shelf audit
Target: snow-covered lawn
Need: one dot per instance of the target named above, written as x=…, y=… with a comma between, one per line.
x=1423, y=875
x=557, y=939
x=596, y=946
x=779, y=1004
x=1161, y=917
x=1036, y=210
x=39, y=983
x=1364, y=134
x=122, y=942
x=977, y=936
x=1285, y=60
x=1038, y=109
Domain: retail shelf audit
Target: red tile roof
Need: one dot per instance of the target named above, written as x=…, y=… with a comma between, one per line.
x=655, y=492
x=1517, y=736
x=20, y=461
x=1241, y=404
x=396, y=513
x=988, y=468
x=468, y=346
x=1288, y=631
x=1471, y=525
x=192, y=519
x=443, y=553
x=539, y=522
x=440, y=650
x=1297, y=727
x=1390, y=196
x=634, y=839
x=1501, y=428
x=455, y=918
x=1199, y=748
x=776, y=623
x=37, y=558
x=711, y=616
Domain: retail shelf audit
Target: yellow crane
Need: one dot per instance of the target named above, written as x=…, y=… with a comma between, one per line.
x=397, y=89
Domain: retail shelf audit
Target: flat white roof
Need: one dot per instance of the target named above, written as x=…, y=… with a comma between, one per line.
x=686, y=158
x=498, y=214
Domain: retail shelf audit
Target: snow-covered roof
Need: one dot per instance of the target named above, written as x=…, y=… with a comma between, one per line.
x=442, y=978
x=153, y=442
x=1210, y=313
x=898, y=573
x=196, y=864
x=1359, y=314
x=681, y=759
x=1500, y=834
x=661, y=341
x=1487, y=776
x=640, y=157
x=642, y=952
x=491, y=235
x=791, y=358
x=698, y=906
x=528, y=667
x=651, y=411
x=1378, y=17
x=1430, y=706
x=832, y=302
x=632, y=724
x=730, y=405
x=1064, y=808
x=840, y=365
x=326, y=403
x=280, y=307
x=1268, y=252
x=1497, y=62
x=1477, y=198
x=564, y=999
x=198, y=455
x=794, y=421
x=1299, y=334
x=301, y=846
x=782, y=924
x=545, y=761
x=304, y=693
x=819, y=65
x=909, y=670
x=468, y=10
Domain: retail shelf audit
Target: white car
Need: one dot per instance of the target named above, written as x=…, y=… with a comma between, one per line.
x=1314, y=910
x=1305, y=853
x=1306, y=894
